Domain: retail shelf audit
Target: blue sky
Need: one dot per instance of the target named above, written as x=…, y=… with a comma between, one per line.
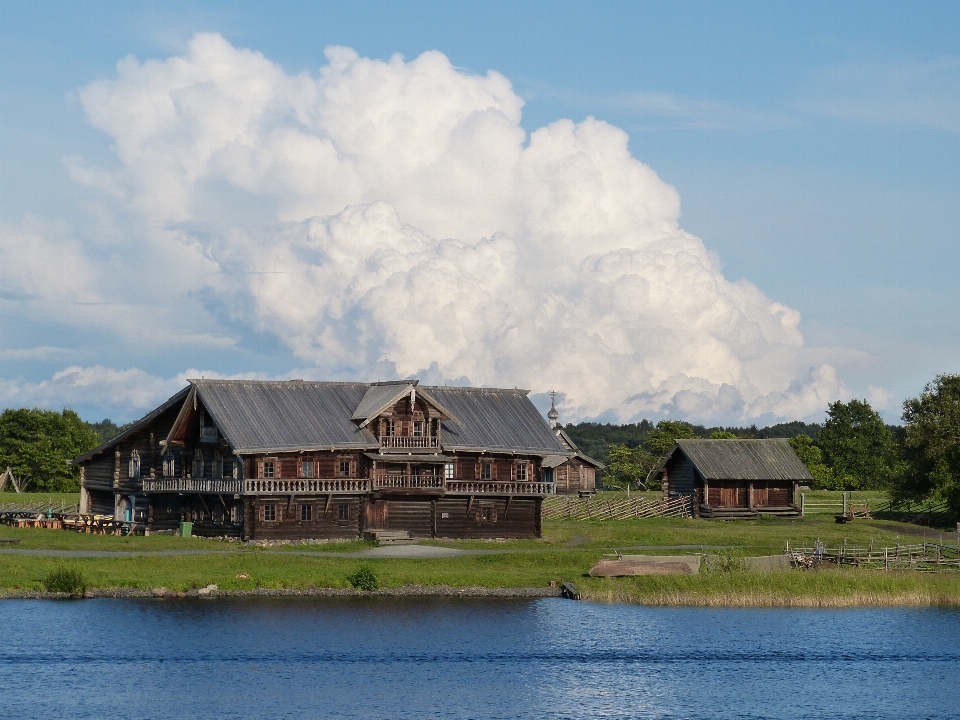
x=813, y=146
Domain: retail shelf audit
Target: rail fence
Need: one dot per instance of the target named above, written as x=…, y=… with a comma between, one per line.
x=570, y=508
x=923, y=556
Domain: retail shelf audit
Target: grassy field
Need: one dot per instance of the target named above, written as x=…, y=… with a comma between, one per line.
x=565, y=553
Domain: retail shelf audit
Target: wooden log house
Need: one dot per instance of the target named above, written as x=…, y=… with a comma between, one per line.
x=734, y=478
x=300, y=460
x=573, y=474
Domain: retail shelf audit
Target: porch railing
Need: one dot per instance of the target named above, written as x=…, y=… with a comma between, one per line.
x=411, y=442
x=408, y=482
x=495, y=487
x=301, y=486
x=227, y=486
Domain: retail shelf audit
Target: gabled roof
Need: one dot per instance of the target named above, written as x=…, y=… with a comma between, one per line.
x=568, y=441
x=495, y=420
x=272, y=416
x=384, y=395
x=145, y=420
x=742, y=459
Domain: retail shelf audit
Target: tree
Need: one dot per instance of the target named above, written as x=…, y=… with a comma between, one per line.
x=723, y=435
x=857, y=446
x=628, y=466
x=812, y=458
x=36, y=445
x=662, y=438
x=932, y=443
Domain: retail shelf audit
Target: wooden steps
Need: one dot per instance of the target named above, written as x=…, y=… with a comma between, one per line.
x=390, y=537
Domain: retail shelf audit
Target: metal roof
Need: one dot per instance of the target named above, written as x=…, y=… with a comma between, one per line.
x=743, y=459
x=495, y=420
x=272, y=416
x=568, y=441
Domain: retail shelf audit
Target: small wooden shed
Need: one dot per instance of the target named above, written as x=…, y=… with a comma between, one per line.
x=734, y=478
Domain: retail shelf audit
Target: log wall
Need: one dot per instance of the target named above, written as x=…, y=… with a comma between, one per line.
x=520, y=520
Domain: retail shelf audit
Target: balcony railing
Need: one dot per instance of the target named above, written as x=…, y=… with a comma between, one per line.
x=408, y=482
x=410, y=442
x=208, y=433
x=301, y=486
x=225, y=486
x=496, y=487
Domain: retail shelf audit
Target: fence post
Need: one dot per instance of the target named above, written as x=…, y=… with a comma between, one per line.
x=844, y=503
x=803, y=498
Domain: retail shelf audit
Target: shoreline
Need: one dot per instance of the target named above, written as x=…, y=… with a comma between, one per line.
x=402, y=591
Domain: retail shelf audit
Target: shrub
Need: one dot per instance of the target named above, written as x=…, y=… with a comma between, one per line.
x=364, y=578
x=65, y=580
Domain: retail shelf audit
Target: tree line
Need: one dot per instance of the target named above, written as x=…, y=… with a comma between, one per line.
x=853, y=449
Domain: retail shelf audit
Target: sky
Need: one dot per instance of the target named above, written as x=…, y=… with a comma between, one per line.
x=723, y=212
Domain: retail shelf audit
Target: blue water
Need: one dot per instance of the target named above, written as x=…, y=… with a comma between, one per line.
x=471, y=658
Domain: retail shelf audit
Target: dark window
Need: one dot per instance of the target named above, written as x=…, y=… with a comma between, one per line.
x=484, y=471
x=343, y=511
x=306, y=512
x=548, y=475
x=521, y=471
x=134, y=469
x=270, y=512
x=306, y=469
x=268, y=468
x=344, y=468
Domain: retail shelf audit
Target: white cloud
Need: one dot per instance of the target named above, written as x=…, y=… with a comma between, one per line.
x=394, y=217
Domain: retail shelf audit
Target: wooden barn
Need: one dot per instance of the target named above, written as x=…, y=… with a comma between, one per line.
x=734, y=478
x=302, y=460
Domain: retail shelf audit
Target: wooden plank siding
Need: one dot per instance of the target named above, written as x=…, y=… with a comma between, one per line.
x=488, y=517
x=325, y=522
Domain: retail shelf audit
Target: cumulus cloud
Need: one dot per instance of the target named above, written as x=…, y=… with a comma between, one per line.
x=394, y=217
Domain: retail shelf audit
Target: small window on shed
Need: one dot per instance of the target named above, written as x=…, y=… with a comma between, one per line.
x=134, y=465
x=343, y=511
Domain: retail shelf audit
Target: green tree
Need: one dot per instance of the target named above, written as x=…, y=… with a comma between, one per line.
x=932, y=443
x=723, y=435
x=627, y=466
x=662, y=438
x=812, y=457
x=36, y=445
x=857, y=446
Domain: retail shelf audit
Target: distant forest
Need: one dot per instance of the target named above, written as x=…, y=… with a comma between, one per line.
x=595, y=439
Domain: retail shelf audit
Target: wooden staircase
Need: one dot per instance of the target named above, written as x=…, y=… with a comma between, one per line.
x=390, y=537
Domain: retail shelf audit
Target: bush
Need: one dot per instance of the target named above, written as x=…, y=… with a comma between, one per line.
x=364, y=578
x=65, y=580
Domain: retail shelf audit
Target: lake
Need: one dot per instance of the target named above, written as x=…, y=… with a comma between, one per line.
x=471, y=658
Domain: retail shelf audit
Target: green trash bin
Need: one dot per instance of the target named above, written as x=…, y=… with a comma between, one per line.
x=186, y=529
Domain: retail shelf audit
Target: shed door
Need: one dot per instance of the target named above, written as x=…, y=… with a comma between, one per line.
x=761, y=497
x=376, y=515
x=574, y=482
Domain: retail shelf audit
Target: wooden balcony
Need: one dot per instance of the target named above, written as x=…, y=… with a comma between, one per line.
x=413, y=483
x=220, y=486
x=412, y=442
x=306, y=486
x=496, y=487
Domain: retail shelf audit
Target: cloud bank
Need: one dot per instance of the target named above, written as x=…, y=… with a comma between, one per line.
x=394, y=219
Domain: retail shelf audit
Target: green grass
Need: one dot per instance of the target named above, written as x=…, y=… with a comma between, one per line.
x=54, y=499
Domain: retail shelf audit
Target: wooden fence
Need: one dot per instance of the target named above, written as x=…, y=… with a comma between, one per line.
x=571, y=508
x=923, y=556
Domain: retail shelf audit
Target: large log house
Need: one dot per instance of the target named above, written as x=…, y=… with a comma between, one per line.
x=301, y=460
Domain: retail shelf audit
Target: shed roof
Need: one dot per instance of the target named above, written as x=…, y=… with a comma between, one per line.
x=267, y=416
x=742, y=459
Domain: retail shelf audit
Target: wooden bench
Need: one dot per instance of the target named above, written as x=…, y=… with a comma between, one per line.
x=390, y=537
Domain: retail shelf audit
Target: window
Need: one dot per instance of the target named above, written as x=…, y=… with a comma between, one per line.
x=418, y=428
x=198, y=463
x=306, y=469
x=236, y=514
x=270, y=512
x=306, y=512
x=521, y=471
x=169, y=465
x=217, y=465
x=344, y=468
x=343, y=511
x=486, y=514
x=448, y=471
x=484, y=471
x=547, y=475
x=268, y=469
x=134, y=468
